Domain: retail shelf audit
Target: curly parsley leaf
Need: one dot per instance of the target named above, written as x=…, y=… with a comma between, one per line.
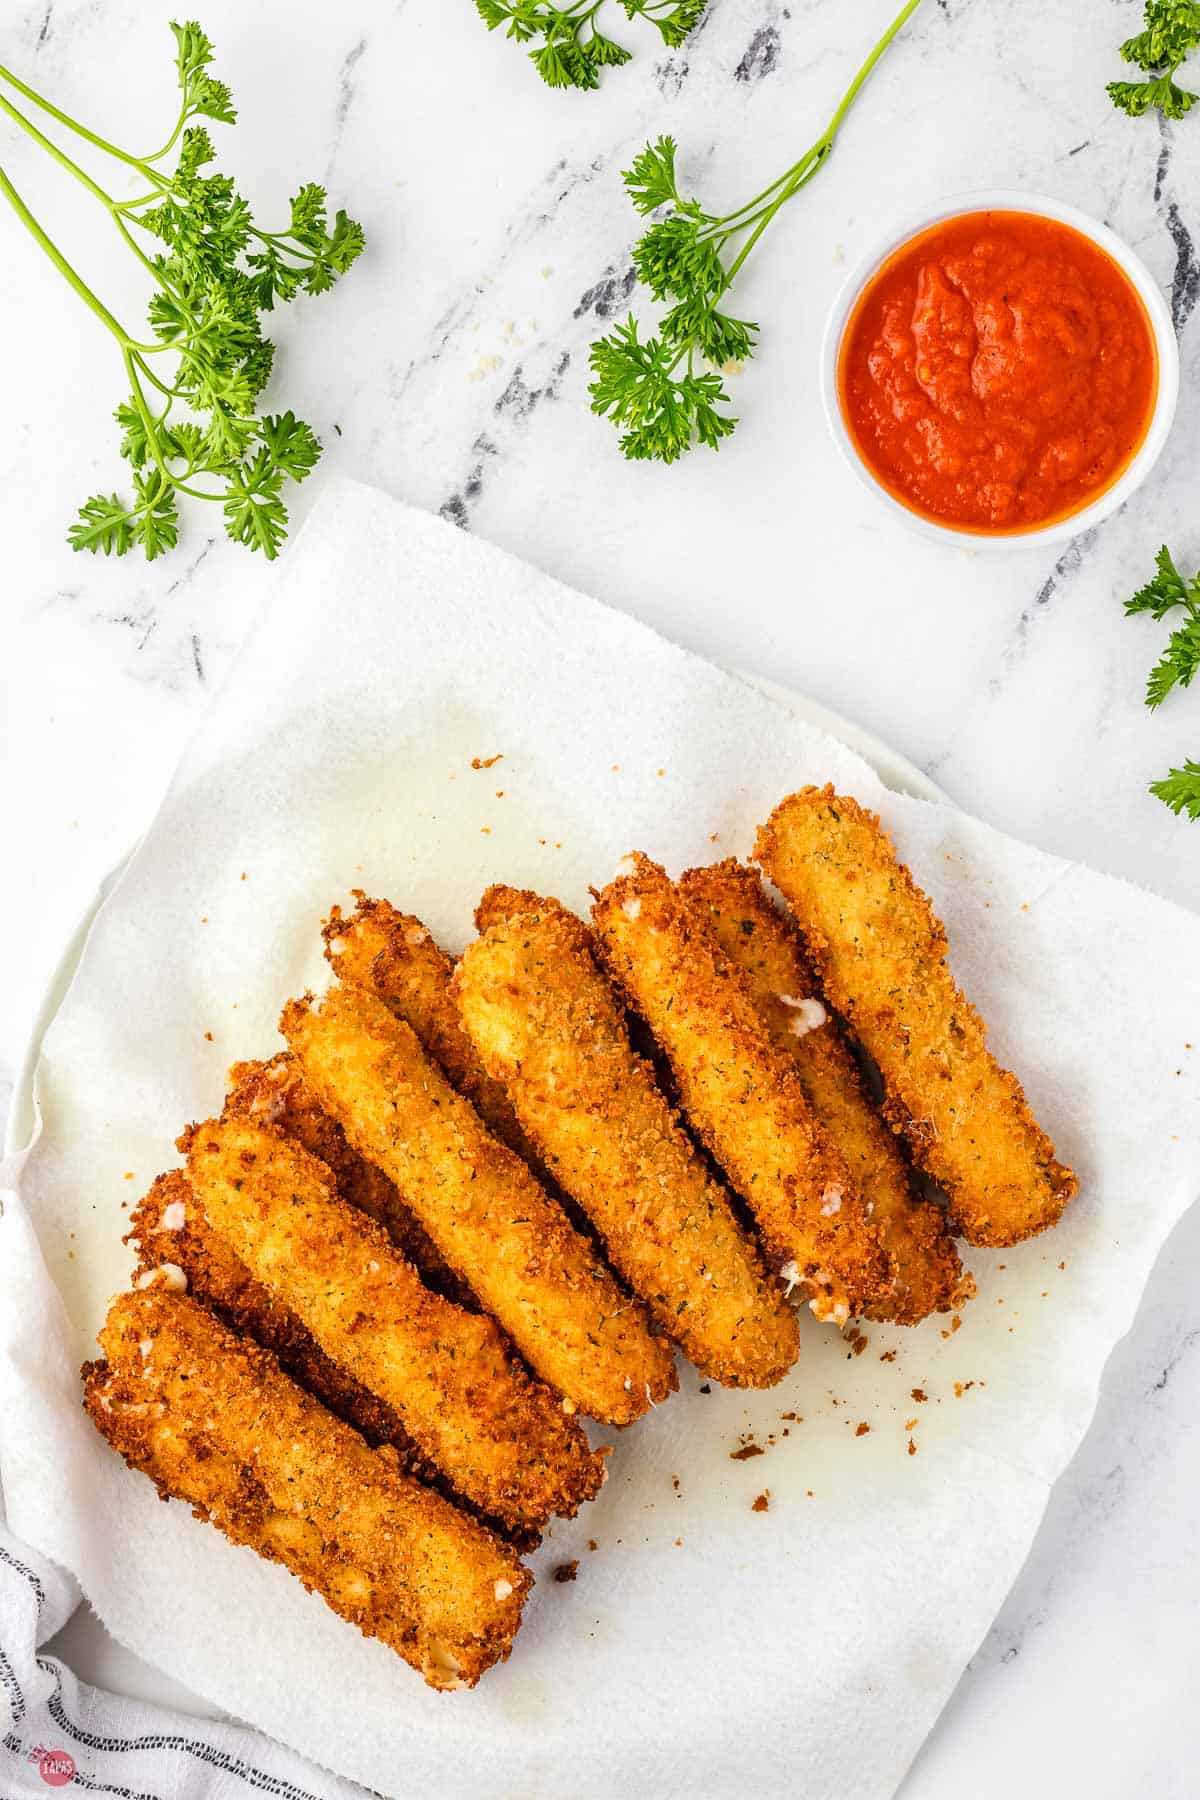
x=1171, y=31
x=1167, y=590
x=666, y=392
x=675, y=19
x=1176, y=667
x=639, y=387
x=1137, y=97
x=650, y=181
x=189, y=426
x=1180, y=790
x=568, y=47
x=1177, y=664
x=104, y=523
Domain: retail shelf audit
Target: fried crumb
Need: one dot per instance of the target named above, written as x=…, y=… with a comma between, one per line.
x=920, y=1395
x=714, y=835
x=912, y=1448
x=862, y=1428
x=243, y=874
x=660, y=771
x=890, y=1355
x=675, y=1482
x=499, y=793
x=761, y=1502
x=486, y=762
x=567, y=1571
x=128, y=1175
x=746, y=1452
x=208, y=1037
x=592, y=1544
x=789, y=1415
x=705, y=1388
x=486, y=830
x=810, y=1493
x=679, y=1543
x=911, y=1424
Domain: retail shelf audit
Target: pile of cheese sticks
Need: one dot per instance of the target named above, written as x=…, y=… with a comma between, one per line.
x=465, y=1206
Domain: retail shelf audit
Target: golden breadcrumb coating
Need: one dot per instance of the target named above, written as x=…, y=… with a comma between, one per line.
x=881, y=956
x=171, y=1232
x=214, y=1421
x=500, y=1437
x=484, y=1209
x=395, y=956
x=926, y=1274
x=741, y=1093
x=274, y=1093
x=545, y=1021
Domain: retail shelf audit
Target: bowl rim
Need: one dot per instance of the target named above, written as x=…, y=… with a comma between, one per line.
x=934, y=212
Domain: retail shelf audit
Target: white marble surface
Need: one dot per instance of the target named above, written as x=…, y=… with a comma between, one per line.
x=451, y=369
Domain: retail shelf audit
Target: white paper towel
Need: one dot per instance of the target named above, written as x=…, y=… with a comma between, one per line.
x=705, y=1649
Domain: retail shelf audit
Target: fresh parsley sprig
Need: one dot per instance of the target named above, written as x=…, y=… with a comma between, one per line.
x=569, y=49
x=189, y=426
x=1171, y=31
x=665, y=391
x=1179, y=662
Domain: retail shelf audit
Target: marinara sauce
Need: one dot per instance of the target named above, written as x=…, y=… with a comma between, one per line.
x=999, y=372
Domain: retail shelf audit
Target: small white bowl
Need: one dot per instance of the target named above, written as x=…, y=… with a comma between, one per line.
x=1009, y=200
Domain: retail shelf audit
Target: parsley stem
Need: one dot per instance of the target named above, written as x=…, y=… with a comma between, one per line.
x=93, y=187
x=82, y=131
x=818, y=152
x=153, y=444
x=60, y=156
x=60, y=262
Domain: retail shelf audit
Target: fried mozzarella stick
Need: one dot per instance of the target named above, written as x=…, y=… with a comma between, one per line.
x=740, y=1091
x=178, y=1248
x=274, y=1093
x=545, y=1021
x=483, y=1208
x=926, y=1274
x=881, y=956
x=394, y=956
x=213, y=1421
x=502, y=1438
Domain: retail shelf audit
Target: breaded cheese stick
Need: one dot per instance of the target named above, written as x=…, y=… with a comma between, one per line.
x=213, y=1421
x=740, y=1092
x=546, y=1022
x=483, y=1208
x=274, y=1094
x=926, y=1274
x=394, y=956
x=178, y=1247
x=881, y=956
x=502, y=1438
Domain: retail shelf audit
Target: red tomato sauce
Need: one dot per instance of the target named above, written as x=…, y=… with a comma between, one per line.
x=999, y=372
